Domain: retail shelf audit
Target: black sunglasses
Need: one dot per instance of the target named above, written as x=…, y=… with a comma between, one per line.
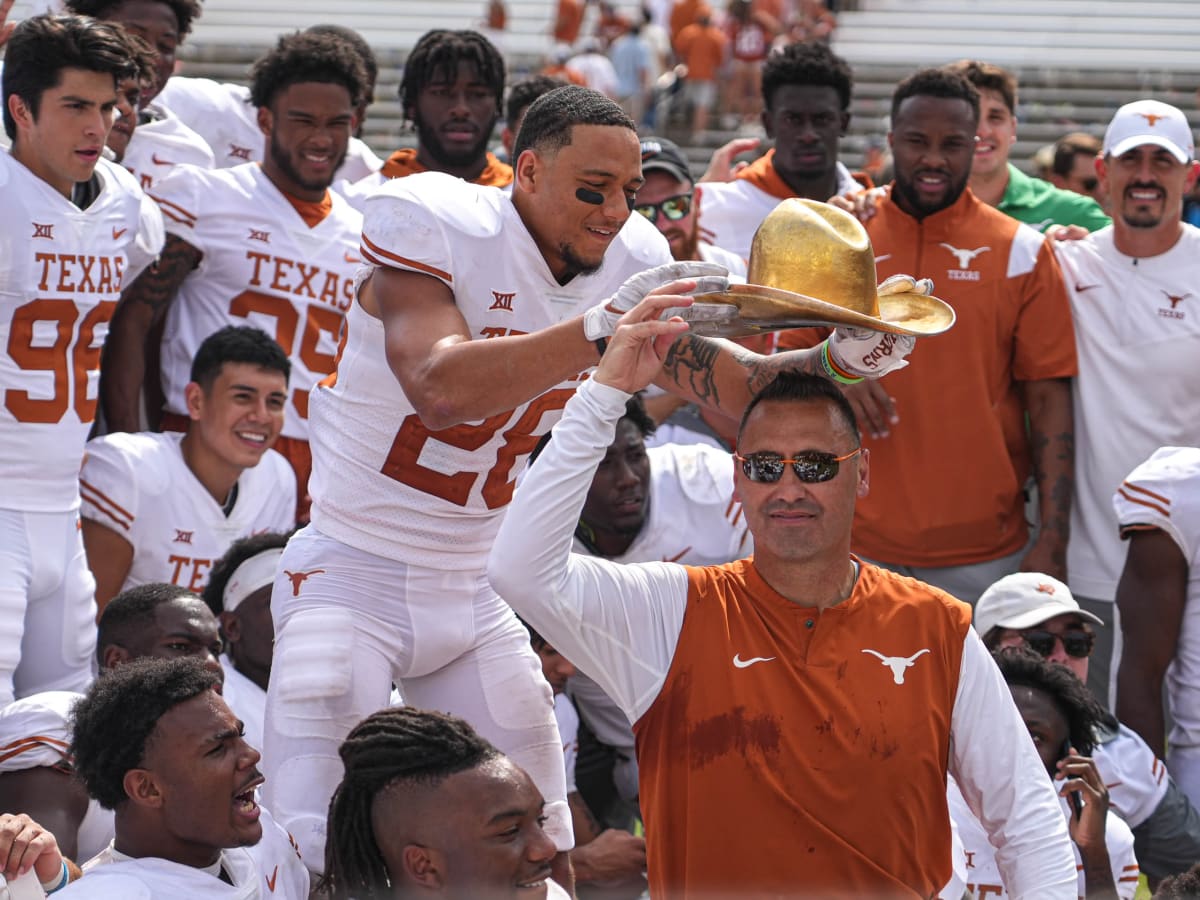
x=1077, y=643
x=674, y=208
x=810, y=466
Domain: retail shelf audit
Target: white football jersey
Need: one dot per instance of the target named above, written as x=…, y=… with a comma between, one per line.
x=61, y=273
x=270, y=870
x=261, y=265
x=1137, y=331
x=161, y=144
x=1164, y=492
x=35, y=732
x=983, y=875
x=222, y=114
x=139, y=486
x=693, y=519
x=1136, y=779
x=567, y=718
x=382, y=481
x=247, y=701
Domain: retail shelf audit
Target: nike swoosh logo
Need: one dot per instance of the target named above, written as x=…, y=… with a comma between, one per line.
x=1080, y=288
x=160, y=162
x=740, y=663
x=117, y=232
x=350, y=257
x=271, y=880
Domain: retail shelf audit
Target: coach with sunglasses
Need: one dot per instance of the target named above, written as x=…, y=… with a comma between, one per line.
x=796, y=712
x=1038, y=612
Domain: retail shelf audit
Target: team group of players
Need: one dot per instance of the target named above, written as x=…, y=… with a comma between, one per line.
x=264, y=324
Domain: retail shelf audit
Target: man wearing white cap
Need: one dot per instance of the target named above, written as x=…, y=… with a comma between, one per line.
x=1136, y=306
x=1036, y=611
x=239, y=595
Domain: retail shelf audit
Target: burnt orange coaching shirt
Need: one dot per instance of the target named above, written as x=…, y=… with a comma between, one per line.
x=947, y=483
x=793, y=751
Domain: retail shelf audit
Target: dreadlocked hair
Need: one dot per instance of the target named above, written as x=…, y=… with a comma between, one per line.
x=439, y=53
x=393, y=745
x=1024, y=668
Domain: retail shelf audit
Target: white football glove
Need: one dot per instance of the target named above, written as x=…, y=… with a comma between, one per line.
x=601, y=320
x=871, y=354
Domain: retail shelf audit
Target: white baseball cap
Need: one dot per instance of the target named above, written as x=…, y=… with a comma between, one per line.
x=1150, y=122
x=1023, y=600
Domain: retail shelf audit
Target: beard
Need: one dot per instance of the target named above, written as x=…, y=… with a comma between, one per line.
x=575, y=264
x=429, y=139
x=907, y=190
x=282, y=158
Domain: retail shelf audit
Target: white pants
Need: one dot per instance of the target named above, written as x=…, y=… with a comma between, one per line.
x=47, y=605
x=347, y=625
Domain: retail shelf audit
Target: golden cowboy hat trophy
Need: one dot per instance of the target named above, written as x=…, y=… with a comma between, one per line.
x=812, y=264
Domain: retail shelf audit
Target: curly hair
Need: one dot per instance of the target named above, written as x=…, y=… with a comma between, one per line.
x=1024, y=668
x=1184, y=886
x=807, y=64
x=307, y=56
x=361, y=47
x=522, y=94
x=117, y=717
x=239, y=551
x=936, y=83
x=398, y=744
x=439, y=53
x=186, y=11
x=549, y=120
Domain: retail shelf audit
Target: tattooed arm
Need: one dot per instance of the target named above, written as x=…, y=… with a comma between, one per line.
x=724, y=376
x=1052, y=443
x=142, y=306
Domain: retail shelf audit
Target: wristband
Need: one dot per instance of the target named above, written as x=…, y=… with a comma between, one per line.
x=60, y=883
x=833, y=370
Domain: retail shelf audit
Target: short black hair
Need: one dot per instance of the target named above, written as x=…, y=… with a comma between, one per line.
x=237, y=344
x=937, y=82
x=116, y=719
x=133, y=610
x=548, y=123
x=635, y=412
x=398, y=744
x=361, y=47
x=41, y=47
x=522, y=94
x=308, y=56
x=239, y=551
x=186, y=11
x=1024, y=668
x=439, y=53
x=809, y=64
x=801, y=387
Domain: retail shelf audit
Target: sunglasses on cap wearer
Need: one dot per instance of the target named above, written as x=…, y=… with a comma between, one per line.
x=810, y=466
x=1077, y=642
x=674, y=208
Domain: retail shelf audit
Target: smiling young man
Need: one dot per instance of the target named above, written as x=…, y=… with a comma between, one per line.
x=813, y=699
x=467, y=337
x=165, y=507
x=270, y=244
x=74, y=230
x=954, y=456
x=154, y=741
x=999, y=183
x=1133, y=296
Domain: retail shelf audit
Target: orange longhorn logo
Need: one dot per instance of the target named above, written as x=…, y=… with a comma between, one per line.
x=1151, y=118
x=1044, y=588
x=298, y=578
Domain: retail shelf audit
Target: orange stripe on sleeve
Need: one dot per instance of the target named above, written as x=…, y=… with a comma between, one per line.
x=164, y=204
x=24, y=745
x=393, y=259
x=105, y=504
x=1138, y=500
x=1165, y=501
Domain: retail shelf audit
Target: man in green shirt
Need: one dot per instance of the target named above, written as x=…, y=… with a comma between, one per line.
x=998, y=182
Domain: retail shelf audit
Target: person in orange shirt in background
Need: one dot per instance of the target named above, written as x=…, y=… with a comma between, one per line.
x=683, y=14
x=701, y=46
x=567, y=21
